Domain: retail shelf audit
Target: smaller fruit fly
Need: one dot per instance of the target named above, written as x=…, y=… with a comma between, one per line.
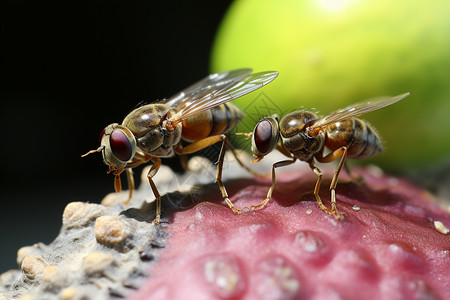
x=301, y=135
x=199, y=115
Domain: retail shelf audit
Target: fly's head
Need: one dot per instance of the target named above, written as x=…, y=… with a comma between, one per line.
x=118, y=147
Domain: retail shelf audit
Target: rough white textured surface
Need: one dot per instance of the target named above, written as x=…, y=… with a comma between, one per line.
x=83, y=260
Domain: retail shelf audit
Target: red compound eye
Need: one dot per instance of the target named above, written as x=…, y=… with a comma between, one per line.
x=264, y=136
x=120, y=145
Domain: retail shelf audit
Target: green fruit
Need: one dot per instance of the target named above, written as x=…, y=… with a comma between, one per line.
x=333, y=53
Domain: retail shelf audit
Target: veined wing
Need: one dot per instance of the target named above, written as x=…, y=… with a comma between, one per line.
x=206, y=85
x=201, y=97
x=354, y=110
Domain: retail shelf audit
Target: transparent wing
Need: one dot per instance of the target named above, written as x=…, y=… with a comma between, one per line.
x=205, y=86
x=355, y=110
x=216, y=89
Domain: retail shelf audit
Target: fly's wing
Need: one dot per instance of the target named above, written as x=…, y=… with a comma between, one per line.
x=354, y=110
x=205, y=86
x=215, y=90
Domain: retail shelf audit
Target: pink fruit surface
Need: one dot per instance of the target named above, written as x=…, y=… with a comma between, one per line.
x=387, y=246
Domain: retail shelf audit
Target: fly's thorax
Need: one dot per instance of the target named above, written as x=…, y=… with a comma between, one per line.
x=145, y=118
x=217, y=120
x=294, y=137
x=295, y=122
x=146, y=122
x=360, y=138
x=119, y=145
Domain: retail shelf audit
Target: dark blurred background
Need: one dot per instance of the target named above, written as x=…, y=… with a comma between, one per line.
x=69, y=69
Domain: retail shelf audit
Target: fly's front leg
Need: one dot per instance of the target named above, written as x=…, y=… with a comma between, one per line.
x=138, y=159
x=117, y=183
x=269, y=193
x=206, y=142
x=130, y=180
x=152, y=172
x=342, y=153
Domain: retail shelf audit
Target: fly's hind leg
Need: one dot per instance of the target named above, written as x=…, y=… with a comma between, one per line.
x=342, y=153
x=319, y=174
x=222, y=188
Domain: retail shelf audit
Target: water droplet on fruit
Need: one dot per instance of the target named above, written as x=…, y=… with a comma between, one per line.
x=224, y=275
x=308, y=241
x=277, y=278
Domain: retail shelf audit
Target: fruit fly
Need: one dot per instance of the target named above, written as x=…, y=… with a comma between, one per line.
x=198, y=114
x=301, y=135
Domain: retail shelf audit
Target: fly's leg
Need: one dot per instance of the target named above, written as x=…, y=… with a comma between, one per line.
x=138, y=159
x=342, y=153
x=274, y=166
x=222, y=188
x=247, y=134
x=317, y=171
x=152, y=172
x=117, y=183
x=206, y=142
x=269, y=193
x=130, y=180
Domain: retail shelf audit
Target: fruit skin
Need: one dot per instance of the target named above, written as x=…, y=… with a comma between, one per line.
x=386, y=247
x=330, y=58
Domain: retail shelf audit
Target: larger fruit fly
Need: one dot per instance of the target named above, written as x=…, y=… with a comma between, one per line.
x=302, y=135
x=199, y=115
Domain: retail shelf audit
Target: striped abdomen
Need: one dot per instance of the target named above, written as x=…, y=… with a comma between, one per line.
x=357, y=135
x=217, y=120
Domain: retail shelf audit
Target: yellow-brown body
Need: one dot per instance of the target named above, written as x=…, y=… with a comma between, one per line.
x=357, y=135
x=152, y=137
x=218, y=120
x=360, y=138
